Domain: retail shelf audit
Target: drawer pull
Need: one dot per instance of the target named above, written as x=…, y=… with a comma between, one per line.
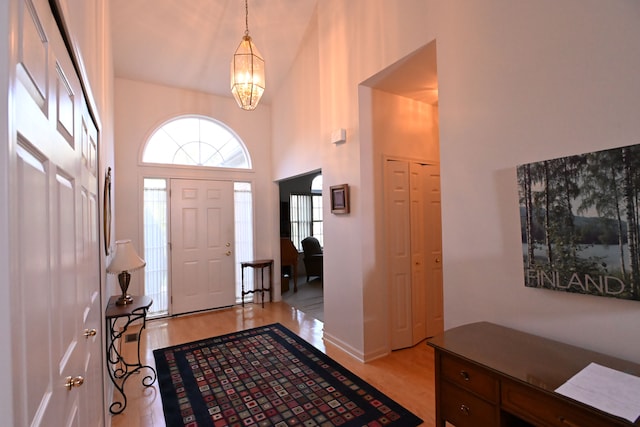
x=465, y=375
x=566, y=422
x=465, y=409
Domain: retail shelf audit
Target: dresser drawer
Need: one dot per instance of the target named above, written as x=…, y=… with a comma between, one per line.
x=545, y=410
x=470, y=377
x=464, y=409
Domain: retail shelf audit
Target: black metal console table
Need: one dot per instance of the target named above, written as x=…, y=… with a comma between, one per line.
x=119, y=318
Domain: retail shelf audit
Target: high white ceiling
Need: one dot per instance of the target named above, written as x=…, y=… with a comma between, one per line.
x=190, y=43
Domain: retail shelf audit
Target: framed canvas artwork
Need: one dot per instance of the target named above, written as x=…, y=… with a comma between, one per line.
x=579, y=223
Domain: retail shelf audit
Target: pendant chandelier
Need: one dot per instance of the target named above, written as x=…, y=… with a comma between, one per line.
x=247, y=71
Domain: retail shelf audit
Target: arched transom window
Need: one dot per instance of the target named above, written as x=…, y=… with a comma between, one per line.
x=196, y=141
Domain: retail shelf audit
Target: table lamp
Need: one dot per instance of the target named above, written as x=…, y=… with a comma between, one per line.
x=124, y=261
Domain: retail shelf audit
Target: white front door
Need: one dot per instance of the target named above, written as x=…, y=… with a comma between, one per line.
x=202, y=240
x=58, y=324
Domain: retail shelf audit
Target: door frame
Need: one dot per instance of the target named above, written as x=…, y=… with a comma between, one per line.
x=169, y=173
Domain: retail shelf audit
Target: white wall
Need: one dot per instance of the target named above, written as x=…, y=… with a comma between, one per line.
x=518, y=82
x=349, y=42
x=297, y=137
x=140, y=108
x=522, y=82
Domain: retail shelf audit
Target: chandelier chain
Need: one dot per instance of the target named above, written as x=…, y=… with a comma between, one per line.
x=246, y=17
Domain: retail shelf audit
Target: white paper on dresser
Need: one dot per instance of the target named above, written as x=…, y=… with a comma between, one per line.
x=611, y=391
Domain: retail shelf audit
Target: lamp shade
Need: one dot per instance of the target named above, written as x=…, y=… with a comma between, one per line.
x=247, y=75
x=125, y=259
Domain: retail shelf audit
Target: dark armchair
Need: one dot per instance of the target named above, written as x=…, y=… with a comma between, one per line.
x=312, y=257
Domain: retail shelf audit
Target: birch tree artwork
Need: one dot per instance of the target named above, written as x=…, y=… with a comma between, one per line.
x=579, y=223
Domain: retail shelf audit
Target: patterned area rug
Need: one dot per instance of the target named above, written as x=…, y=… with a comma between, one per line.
x=267, y=376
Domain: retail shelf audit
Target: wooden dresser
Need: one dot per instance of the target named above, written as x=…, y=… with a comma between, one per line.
x=488, y=375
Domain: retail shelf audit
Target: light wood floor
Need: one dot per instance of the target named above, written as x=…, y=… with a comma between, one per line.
x=405, y=375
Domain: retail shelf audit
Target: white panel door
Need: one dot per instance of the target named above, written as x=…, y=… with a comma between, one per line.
x=418, y=221
x=433, y=251
x=58, y=358
x=202, y=237
x=398, y=232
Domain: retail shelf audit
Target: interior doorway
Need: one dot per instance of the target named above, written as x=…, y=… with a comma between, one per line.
x=399, y=115
x=301, y=218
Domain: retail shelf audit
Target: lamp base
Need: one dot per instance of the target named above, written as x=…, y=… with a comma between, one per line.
x=123, y=279
x=124, y=300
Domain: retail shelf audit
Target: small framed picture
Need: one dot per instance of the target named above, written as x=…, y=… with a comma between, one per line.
x=340, y=199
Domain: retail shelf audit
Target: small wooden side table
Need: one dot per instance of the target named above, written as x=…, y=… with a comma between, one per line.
x=261, y=265
x=119, y=318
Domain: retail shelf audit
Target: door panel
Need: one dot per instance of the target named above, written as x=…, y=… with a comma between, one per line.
x=434, y=293
x=202, y=235
x=34, y=285
x=398, y=207
x=89, y=304
x=56, y=240
x=418, y=260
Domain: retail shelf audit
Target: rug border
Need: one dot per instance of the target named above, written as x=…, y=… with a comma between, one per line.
x=399, y=408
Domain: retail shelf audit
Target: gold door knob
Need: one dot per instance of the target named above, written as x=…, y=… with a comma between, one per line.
x=228, y=244
x=228, y=253
x=437, y=260
x=72, y=382
x=90, y=333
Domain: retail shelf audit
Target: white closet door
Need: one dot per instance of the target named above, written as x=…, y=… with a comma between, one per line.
x=414, y=251
x=57, y=366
